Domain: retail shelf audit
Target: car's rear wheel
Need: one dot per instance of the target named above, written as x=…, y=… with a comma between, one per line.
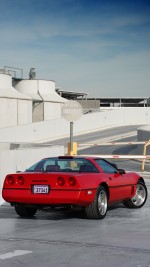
x=140, y=197
x=98, y=208
x=24, y=211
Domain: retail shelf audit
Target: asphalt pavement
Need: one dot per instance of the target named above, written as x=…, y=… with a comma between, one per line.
x=68, y=239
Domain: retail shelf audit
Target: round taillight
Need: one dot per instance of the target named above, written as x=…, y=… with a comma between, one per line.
x=60, y=181
x=10, y=180
x=20, y=180
x=72, y=181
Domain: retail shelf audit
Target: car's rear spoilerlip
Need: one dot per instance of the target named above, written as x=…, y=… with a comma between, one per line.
x=54, y=197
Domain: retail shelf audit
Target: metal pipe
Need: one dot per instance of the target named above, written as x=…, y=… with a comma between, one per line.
x=71, y=137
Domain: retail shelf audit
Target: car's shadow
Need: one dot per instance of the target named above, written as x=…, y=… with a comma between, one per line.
x=52, y=214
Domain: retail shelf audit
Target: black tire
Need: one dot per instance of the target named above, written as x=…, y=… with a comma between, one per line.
x=140, y=197
x=98, y=208
x=24, y=211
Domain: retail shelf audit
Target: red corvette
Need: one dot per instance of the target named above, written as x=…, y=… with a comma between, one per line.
x=91, y=183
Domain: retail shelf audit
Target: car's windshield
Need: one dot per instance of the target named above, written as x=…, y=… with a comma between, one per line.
x=63, y=165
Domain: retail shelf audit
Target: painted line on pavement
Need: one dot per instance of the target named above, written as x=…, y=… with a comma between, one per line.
x=14, y=254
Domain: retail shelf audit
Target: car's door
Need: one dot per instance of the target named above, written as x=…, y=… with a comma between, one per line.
x=120, y=187
x=119, y=184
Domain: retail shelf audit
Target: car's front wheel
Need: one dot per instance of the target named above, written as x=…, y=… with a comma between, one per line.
x=24, y=211
x=98, y=208
x=140, y=197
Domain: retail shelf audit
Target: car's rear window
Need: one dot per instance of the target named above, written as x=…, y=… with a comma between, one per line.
x=63, y=165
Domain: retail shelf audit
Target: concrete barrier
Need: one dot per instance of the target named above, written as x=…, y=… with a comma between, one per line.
x=59, y=128
x=12, y=161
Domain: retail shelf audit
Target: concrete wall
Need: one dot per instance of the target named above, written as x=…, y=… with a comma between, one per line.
x=15, y=112
x=37, y=111
x=46, y=102
x=12, y=161
x=52, y=110
x=24, y=112
x=54, y=129
x=7, y=107
x=91, y=104
x=45, y=111
x=15, y=108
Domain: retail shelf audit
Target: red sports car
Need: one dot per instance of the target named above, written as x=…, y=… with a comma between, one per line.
x=91, y=183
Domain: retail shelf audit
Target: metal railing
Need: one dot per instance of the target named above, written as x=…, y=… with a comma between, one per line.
x=143, y=157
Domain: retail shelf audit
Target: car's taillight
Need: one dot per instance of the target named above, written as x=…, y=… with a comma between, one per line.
x=20, y=180
x=72, y=181
x=10, y=180
x=60, y=181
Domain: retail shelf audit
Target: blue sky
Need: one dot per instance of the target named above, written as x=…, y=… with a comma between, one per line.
x=101, y=47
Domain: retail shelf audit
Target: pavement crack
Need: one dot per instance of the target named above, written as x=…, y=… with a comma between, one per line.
x=103, y=247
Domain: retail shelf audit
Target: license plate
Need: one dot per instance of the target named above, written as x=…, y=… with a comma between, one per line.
x=40, y=189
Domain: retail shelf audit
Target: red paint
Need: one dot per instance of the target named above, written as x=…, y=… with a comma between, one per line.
x=73, y=188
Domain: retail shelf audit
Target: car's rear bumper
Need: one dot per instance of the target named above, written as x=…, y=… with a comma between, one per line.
x=54, y=197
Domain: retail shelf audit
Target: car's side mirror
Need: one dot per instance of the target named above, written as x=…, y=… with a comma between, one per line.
x=121, y=171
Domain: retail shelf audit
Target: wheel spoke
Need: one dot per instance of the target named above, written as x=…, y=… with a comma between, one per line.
x=102, y=202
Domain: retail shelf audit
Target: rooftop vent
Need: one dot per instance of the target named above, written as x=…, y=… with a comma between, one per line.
x=32, y=74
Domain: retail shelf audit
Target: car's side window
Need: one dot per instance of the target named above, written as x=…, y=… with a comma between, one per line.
x=105, y=166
